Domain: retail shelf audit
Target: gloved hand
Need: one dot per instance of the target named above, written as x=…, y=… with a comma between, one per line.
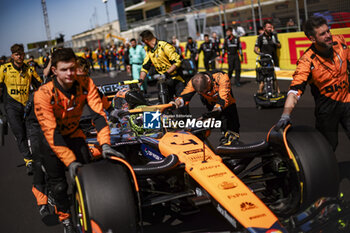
x=283, y=122
x=166, y=75
x=174, y=104
x=217, y=108
x=117, y=113
x=72, y=168
x=178, y=103
x=108, y=151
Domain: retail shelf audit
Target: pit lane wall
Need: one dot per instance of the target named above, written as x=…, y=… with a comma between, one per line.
x=293, y=46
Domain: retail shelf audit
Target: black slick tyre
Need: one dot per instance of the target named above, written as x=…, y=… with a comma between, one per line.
x=308, y=173
x=105, y=199
x=317, y=162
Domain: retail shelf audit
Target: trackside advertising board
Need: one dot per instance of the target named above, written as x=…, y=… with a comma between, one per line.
x=294, y=45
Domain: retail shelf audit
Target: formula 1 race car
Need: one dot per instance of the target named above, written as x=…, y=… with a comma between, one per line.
x=254, y=187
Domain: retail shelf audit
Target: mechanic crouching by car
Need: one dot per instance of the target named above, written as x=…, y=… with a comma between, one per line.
x=216, y=94
x=324, y=66
x=58, y=107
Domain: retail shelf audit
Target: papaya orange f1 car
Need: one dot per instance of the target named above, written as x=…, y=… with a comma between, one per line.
x=251, y=186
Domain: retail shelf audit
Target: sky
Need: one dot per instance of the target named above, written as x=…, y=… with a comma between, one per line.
x=22, y=21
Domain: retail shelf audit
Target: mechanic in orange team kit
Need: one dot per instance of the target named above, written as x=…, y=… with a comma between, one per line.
x=83, y=70
x=17, y=78
x=216, y=94
x=58, y=106
x=324, y=66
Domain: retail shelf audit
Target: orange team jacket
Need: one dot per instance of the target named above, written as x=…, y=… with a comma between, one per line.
x=220, y=94
x=105, y=102
x=59, y=112
x=327, y=77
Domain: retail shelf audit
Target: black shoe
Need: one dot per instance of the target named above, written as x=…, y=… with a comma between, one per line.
x=230, y=139
x=68, y=226
x=44, y=210
x=46, y=215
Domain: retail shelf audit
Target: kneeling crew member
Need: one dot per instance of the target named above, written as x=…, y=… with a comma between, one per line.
x=216, y=94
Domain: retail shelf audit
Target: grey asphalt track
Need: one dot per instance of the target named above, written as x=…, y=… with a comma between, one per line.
x=19, y=214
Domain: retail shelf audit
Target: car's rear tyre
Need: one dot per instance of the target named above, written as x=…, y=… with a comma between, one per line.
x=312, y=175
x=105, y=199
x=318, y=165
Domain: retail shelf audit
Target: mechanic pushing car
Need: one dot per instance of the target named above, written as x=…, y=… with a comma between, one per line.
x=324, y=66
x=165, y=60
x=58, y=106
x=17, y=78
x=216, y=94
x=39, y=148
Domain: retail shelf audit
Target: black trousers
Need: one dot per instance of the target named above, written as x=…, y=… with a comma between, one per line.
x=15, y=116
x=55, y=170
x=91, y=61
x=36, y=145
x=175, y=88
x=114, y=62
x=101, y=63
x=209, y=63
x=234, y=64
x=229, y=116
x=193, y=58
x=36, y=138
x=328, y=118
x=275, y=60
